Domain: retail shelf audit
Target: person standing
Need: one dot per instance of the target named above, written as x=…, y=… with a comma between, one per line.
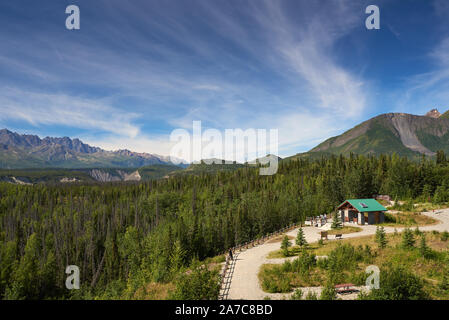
x=230, y=254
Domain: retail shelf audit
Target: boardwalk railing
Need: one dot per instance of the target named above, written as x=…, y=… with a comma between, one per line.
x=229, y=266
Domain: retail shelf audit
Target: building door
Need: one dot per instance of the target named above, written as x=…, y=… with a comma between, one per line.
x=376, y=218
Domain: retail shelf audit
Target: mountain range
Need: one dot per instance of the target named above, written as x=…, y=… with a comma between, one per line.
x=29, y=151
x=401, y=133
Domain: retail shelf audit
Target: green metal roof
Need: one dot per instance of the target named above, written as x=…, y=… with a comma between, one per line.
x=365, y=205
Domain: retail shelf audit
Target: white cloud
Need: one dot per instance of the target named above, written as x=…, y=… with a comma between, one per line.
x=222, y=87
x=327, y=93
x=156, y=144
x=60, y=109
x=310, y=53
x=210, y=87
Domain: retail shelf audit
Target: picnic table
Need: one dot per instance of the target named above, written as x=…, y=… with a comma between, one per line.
x=345, y=288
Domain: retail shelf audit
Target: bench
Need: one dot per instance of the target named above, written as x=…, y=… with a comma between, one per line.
x=338, y=236
x=345, y=288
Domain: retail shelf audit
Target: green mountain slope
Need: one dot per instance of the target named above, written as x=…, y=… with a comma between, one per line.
x=445, y=115
x=404, y=134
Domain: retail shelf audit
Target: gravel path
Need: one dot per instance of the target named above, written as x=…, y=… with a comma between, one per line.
x=245, y=283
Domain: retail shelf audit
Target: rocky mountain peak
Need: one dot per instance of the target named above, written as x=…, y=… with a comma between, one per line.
x=30, y=151
x=434, y=113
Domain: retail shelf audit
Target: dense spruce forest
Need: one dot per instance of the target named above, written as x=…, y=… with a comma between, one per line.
x=125, y=235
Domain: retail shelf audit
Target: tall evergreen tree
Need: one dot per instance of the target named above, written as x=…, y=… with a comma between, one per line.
x=336, y=221
x=424, y=250
x=408, y=240
x=301, y=239
x=285, y=244
x=381, y=237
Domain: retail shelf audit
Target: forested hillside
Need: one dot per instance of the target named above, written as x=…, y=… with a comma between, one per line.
x=125, y=235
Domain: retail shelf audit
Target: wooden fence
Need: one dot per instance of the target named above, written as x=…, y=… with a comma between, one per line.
x=229, y=266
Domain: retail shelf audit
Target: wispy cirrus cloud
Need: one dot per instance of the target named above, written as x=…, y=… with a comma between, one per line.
x=309, y=51
x=317, y=90
x=142, y=69
x=59, y=109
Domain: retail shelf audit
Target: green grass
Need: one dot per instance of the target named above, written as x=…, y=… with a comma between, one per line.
x=344, y=230
x=295, y=250
x=428, y=207
x=351, y=264
x=292, y=251
x=407, y=219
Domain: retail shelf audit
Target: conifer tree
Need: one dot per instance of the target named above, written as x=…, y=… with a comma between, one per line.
x=423, y=248
x=417, y=231
x=177, y=257
x=408, y=240
x=285, y=245
x=336, y=222
x=301, y=239
x=381, y=238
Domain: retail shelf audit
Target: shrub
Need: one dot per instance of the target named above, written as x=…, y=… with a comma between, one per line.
x=441, y=195
x=287, y=266
x=329, y=292
x=408, y=240
x=445, y=236
x=200, y=284
x=396, y=283
x=444, y=284
x=344, y=257
x=297, y=295
x=311, y=295
x=304, y=263
x=322, y=263
x=389, y=218
x=359, y=278
x=275, y=280
x=367, y=253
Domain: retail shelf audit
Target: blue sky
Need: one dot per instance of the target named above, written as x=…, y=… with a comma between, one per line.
x=136, y=70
